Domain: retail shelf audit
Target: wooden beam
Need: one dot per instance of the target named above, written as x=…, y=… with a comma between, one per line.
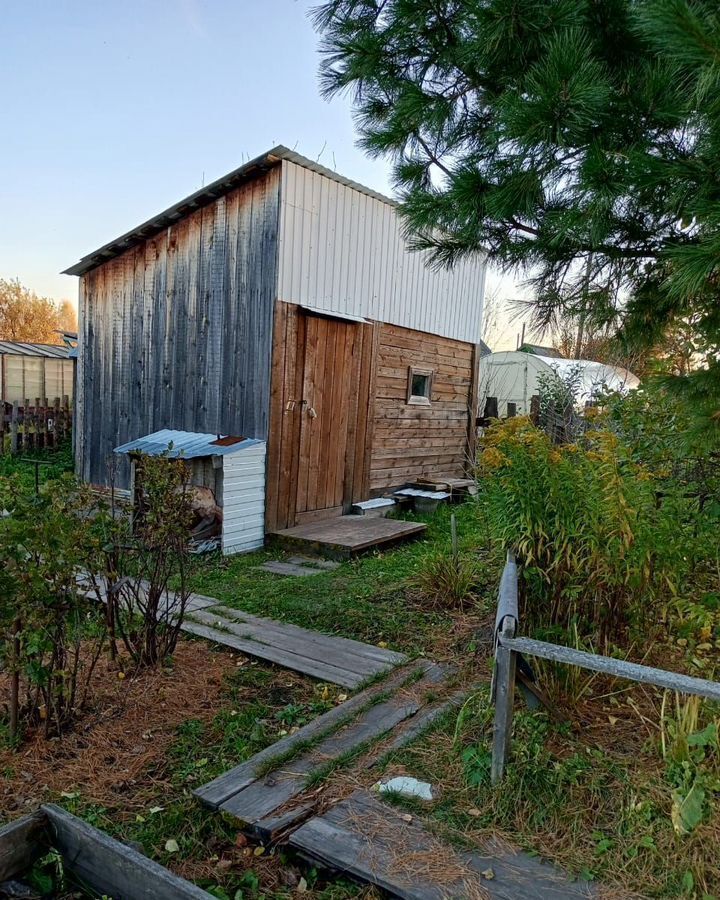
x=618, y=668
x=504, y=696
x=21, y=843
x=110, y=868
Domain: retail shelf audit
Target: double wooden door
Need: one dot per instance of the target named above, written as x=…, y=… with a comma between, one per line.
x=319, y=416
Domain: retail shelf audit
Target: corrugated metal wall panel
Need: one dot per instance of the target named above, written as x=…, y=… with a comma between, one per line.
x=343, y=251
x=244, y=500
x=176, y=332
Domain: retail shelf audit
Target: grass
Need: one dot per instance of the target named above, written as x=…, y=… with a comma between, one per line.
x=54, y=464
x=595, y=799
x=261, y=704
x=374, y=598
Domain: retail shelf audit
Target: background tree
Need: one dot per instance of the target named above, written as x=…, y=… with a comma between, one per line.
x=573, y=140
x=24, y=316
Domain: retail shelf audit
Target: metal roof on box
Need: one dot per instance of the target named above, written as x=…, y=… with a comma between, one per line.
x=208, y=194
x=21, y=348
x=186, y=444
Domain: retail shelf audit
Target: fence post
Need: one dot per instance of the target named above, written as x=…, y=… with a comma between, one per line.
x=14, y=428
x=535, y=409
x=504, y=698
x=67, y=420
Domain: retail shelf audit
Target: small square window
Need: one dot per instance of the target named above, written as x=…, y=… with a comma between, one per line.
x=419, y=389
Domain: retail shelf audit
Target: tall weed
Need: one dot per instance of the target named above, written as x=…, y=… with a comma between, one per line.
x=596, y=546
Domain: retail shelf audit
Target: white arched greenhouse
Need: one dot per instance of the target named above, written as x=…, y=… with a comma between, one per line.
x=512, y=377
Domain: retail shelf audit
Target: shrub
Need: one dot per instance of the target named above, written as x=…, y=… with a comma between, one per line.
x=144, y=568
x=594, y=543
x=53, y=635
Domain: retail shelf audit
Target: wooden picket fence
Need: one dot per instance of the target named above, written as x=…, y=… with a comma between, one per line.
x=35, y=426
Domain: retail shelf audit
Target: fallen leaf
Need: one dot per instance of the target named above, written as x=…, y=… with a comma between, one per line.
x=406, y=817
x=612, y=720
x=382, y=644
x=172, y=846
x=259, y=850
x=241, y=840
x=301, y=886
x=488, y=873
x=474, y=811
x=70, y=795
x=342, y=697
x=121, y=676
x=155, y=809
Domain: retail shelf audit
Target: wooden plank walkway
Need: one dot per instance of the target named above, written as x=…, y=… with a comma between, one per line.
x=335, y=659
x=274, y=790
x=327, y=657
x=347, y=536
x=371, y=841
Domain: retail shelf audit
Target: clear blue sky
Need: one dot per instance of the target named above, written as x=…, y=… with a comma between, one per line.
x=113, y=110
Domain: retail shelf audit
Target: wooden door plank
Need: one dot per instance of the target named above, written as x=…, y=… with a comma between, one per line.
x=339, y=448
x=310, y=351
x=287, y=486
x=353, y=431
x=275, y=429
x=316, y=460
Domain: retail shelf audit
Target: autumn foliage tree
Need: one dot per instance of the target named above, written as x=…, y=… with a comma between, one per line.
x=25, y=316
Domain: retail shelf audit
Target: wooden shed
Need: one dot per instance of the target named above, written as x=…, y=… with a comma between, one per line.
x=282, y=303
x=35, y=371
x=231, y=468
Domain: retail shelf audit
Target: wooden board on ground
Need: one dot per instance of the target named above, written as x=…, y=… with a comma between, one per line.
x=280, y=790
x=371, y=841
x=230, y=783
x=325, y=656
x=348, y=536
x=103, y=866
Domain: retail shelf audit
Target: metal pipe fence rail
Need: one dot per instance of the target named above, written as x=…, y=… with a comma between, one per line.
x=508, y=645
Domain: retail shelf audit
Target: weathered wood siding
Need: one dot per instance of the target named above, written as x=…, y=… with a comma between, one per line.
x=176, y=332
x=343, y=251
x=409, y=441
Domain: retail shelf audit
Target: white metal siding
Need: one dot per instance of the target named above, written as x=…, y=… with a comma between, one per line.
x=343, y=251
x=244, y=499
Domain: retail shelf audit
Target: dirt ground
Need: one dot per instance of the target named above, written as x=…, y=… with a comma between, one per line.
x=132, y=721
